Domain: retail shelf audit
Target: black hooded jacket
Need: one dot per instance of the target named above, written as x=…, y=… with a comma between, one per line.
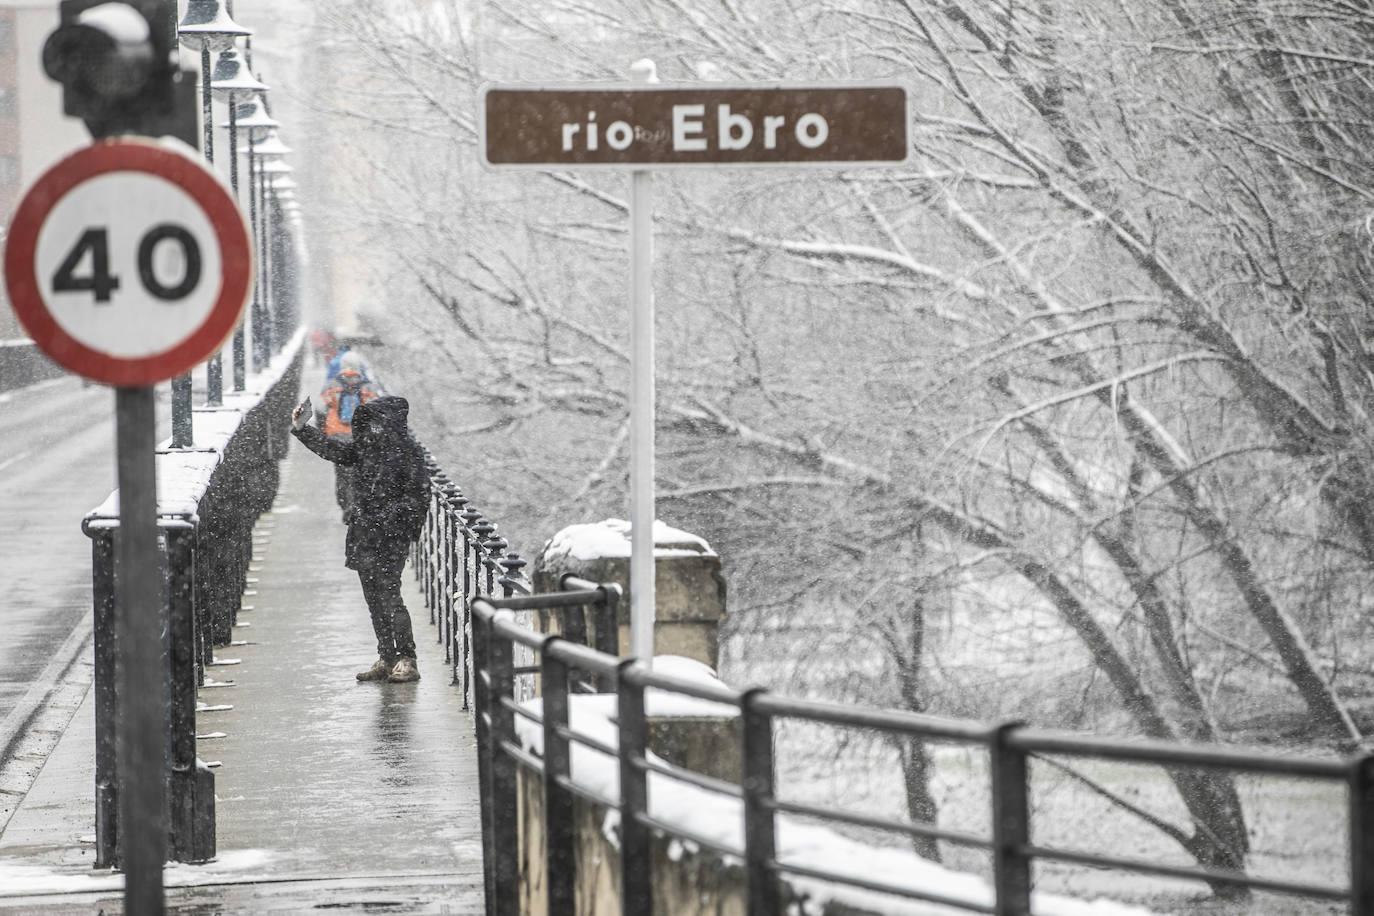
x=390, y=480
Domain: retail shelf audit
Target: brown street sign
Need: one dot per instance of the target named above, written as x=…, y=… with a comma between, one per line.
x=714, y=124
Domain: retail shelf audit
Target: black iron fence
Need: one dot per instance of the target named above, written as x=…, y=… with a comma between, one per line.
x=472, y=584
x=1009, y=748
x=458, y=557
x=210, y=498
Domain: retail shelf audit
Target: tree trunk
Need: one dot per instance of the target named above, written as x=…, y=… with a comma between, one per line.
x=916, y=763
x=1220, y=838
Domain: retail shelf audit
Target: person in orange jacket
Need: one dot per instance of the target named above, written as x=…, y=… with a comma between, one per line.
x=340, y=401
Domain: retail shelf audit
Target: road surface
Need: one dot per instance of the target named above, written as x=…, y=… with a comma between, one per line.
x=57, y=462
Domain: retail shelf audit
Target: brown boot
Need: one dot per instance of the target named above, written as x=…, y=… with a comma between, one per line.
x=404, y=672
x=379, y=671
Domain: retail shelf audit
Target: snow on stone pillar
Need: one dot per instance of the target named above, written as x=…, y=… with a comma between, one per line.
x=689, y=593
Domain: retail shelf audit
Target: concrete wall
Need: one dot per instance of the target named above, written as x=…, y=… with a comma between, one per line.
x=689, y=603
x=689, y=590
x=23, y=364
x=685, y=882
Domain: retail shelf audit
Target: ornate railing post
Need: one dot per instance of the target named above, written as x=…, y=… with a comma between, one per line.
x=505, y=824
x=434, y=526
x=493, y=549
x=481, y=704
x=424, y=542
x=417, y=547
x=106, y=701
x=464, y=664
x=223, y=526
x=427, y=540
x=457, y=603
x=444, y=601
x=757, y=784
x=636, y=859
x=204, y=603
x=471, y=568
x=434, y=522
x=434, y=533
x=481, y=530
x=181, y=777
x=511, y=565
x=470, y=517
x=1010, y=823
x=559, y=833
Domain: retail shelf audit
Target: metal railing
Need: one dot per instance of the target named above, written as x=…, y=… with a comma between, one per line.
x=459, y=557
x=207, y=545
x=564, y=663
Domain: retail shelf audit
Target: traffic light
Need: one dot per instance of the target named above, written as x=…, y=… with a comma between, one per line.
x=116, y=61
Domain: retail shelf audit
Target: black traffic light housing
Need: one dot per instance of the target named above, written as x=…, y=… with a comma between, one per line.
x=117, y=63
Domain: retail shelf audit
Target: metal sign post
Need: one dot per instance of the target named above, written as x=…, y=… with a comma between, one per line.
x=651, y=125
x=140, y=744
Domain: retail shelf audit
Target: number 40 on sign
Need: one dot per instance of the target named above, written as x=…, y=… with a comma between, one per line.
x=94, y=245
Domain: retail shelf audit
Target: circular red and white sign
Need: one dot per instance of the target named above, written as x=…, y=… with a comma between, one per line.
x=129, y=262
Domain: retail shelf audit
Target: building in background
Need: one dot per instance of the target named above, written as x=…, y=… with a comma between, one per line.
x=33, y=131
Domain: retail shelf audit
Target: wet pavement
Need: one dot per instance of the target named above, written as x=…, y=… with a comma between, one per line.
x=56, y=463
x=330, y=794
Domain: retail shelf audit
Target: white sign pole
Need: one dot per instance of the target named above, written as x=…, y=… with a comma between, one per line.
x=642, y=406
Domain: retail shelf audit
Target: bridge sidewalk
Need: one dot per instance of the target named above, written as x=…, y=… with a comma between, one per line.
x=328, y=792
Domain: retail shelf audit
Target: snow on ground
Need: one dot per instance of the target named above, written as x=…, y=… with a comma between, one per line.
x=720, y=818
x=24, y=880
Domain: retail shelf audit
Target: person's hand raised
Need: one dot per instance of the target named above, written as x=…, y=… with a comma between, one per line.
x=300, y=416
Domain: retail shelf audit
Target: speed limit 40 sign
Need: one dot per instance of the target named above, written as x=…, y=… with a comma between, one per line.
x=128, y=262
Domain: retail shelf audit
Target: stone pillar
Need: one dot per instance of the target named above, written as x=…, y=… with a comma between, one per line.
x=689, y=589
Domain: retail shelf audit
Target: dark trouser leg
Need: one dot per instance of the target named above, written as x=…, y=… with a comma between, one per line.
x=378, y=598
x=381, y=581
x=400, y=616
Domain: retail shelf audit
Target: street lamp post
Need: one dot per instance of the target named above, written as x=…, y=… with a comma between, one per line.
x=206, y=27
x=253, y=117
x=285, y=315
x=232, y=77
x=269, y=152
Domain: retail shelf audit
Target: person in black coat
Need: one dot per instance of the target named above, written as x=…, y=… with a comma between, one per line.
x=390, y=499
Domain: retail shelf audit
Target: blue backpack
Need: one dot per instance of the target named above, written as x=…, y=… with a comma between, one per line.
x=347, y=404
